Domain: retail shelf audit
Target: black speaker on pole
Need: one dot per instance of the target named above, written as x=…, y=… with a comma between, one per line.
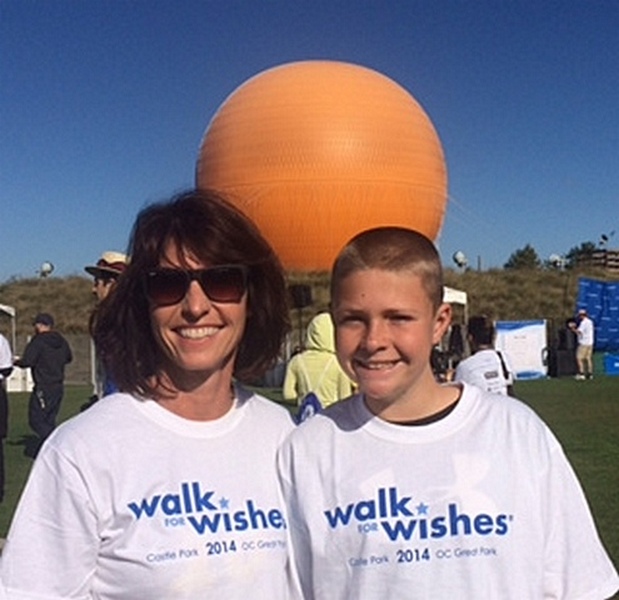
x=301, y=295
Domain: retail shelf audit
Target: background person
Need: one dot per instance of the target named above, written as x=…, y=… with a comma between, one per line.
x=168, y=490
x=105, y=275
x=487, y=368
x=585, y=331
x=106, y=272
x=455, y=347
x=46, y=355
x=416, y=489
x=6, y=368
x=315, y=369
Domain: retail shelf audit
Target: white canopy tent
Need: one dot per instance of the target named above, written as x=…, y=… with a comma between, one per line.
x=20, y=380
x=453, y=296
x=9, y=310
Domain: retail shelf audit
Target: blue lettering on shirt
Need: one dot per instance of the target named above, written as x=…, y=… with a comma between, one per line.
x=398, y=520
x=203, y=514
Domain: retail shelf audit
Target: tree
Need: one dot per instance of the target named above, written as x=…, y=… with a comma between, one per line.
x=525, y=258
x=582, y=254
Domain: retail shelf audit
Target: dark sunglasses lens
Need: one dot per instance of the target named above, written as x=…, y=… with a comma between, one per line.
x=223, y=284
x=167, y=286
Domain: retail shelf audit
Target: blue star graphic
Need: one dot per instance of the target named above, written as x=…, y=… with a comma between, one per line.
x=422, y=509
x=224, y=503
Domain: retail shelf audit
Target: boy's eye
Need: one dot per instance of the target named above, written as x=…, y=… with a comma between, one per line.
x=401, y=318
x=348, y=319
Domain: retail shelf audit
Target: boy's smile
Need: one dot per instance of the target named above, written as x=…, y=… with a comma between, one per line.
x=386, y=327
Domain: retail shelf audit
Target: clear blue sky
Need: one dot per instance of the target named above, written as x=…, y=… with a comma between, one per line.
x=103, y=105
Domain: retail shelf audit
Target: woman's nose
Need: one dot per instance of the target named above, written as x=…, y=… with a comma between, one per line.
x=196, y=302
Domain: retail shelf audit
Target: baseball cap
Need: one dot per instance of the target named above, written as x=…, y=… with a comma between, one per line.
x=111, y=263
x=44, y=319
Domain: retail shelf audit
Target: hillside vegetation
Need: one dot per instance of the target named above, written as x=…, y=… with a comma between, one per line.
x=68, y=299
x=507, y=294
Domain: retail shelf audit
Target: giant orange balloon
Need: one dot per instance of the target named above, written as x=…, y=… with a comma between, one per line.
x=317, y=151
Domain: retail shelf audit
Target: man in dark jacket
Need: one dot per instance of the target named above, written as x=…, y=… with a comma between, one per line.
x=46, y=355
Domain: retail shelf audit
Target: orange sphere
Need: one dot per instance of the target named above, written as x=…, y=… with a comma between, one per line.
x=317, y=151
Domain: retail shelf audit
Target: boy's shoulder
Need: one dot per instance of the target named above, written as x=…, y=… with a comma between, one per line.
x=476, y=409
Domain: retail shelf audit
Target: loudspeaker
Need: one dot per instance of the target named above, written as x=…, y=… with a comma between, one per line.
x=567, y=339
x=301, y=295
x=563, y=362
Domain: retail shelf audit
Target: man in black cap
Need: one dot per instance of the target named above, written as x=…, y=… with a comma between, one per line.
x=46, y=355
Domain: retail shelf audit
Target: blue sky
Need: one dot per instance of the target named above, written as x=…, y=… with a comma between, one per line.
x=103, y=105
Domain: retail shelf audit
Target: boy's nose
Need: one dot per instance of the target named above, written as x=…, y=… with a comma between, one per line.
x=375, y=336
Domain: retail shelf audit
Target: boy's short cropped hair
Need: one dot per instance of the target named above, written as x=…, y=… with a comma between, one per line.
x=391, y=248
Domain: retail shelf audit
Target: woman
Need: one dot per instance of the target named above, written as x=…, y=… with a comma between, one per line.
x=168, y=488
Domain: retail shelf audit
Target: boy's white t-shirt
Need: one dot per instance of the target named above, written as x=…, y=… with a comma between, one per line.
x=129, y=501
x=479, y=505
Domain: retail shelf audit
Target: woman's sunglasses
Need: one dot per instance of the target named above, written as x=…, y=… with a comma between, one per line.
x=223, y=283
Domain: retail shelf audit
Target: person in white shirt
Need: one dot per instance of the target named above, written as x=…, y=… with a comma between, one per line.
x=585, y=331
x=6, y=368
x=167, y=490
x=417, y=489
x=486, y=368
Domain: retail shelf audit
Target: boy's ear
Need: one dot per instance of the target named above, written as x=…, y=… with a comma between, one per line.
x=442, y=320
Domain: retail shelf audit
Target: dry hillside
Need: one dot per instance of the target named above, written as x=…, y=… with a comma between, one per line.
x=502, y=294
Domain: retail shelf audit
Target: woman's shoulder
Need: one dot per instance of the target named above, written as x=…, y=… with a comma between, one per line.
x=109, y=414
x=257, y=403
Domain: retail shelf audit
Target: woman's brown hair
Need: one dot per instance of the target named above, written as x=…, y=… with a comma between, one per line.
x=203, y=224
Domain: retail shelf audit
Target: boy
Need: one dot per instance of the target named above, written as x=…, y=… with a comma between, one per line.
x=412, y=489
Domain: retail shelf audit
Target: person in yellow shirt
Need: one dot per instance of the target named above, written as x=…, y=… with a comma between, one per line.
x=316, y=368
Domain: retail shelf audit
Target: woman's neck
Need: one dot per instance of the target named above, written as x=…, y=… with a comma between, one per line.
x=200, y=397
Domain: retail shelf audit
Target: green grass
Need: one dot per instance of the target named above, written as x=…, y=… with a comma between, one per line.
x=583, y=414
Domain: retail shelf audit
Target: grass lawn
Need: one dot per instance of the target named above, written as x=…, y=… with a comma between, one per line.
x=583, y=414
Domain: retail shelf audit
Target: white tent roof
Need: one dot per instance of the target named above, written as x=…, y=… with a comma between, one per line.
x=452, y=296
x=9, y=310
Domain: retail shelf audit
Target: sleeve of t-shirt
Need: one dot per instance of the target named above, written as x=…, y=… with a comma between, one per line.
x=52, y=545
x=576, y=564
x=6, y=359
x=299, y=565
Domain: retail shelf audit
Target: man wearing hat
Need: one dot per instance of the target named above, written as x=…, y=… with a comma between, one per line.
x=106, y=272
x=584, y=350
x=46, y=354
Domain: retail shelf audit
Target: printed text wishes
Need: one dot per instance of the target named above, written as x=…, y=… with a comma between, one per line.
x=206, y=513
x=394, y=515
